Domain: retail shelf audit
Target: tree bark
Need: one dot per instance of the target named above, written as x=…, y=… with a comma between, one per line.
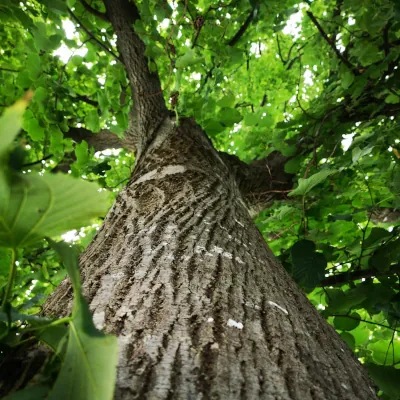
x=200, y=305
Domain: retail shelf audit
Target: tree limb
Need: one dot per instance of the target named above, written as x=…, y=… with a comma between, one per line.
x=149, y=106
x=102, y=45
x=86, y=99
x=344, y=277
x=243, y=28
x=99, y=141
x=94, y=11
x=8, y=69
x=331, y=43
x=262, y=181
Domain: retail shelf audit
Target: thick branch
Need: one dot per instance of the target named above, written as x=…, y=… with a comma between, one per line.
x=150, y=109
x=243, y=28
x=87, y=100
x=99, y=141
x=261, y=182
x=344, y=277
x=93, y=11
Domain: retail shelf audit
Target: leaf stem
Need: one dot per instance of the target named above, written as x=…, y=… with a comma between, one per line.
x=65, y=320
x=11, y=277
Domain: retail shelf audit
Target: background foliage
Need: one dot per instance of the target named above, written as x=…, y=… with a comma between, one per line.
x=316, y=80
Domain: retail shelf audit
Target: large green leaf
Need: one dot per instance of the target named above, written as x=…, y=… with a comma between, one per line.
x=47, y=206
x=89, y=364
x=89, y=367
x=305, y=185
x=30, y=393
x=10, y=124
x=385, y=352
x=308, y=265
x=387, y=378
x=347, y=322
x=189, y=58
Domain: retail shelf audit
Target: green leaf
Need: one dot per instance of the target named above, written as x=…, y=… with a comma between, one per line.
x=122, y=120
x=35, y=131
x=90, y=358
x=305, y=185
x=30, y=393
x=347, y=323
x=340, y=301
x=69, y=255
x=82, y=153
x=229, y=116
x=357, y=153
x=92, y=121
x=90, y=361
x=293, y=165
x=377, y=235
x=11, y=123
x=387, y=378
x=33, y=62
x=189, y=58
x=47, y=206
x=54, y=336
x=349, y=339
x=211, y=126
x=57, y=6
x=308, y=265
x=347, y=77
x=385, y=352
x=392, y=99
x=227, y=101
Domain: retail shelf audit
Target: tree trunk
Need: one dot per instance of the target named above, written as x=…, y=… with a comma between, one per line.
x=201, y=307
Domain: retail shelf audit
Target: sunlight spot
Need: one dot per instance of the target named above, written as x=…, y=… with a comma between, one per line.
x=351, y=21
x=196, y=76
x=347, y=141
x=70, y=236
x=69, y=28
x=107, y=152
x=293, y=25
x=164, y=23
x=308, y=77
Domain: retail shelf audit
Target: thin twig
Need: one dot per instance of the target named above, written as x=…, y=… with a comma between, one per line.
x=93, y=37
x=331, y=43
x=365, y=320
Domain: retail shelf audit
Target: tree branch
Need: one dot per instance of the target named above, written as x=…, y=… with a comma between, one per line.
x=243, y=28
x=102, y=45
x=8, y=69
x=149, y=105
x=94, y=11
x=331, y=43
x=99, y=141
x=37, y=162
x=262, y=181
x=87, y=100
x=344, y=277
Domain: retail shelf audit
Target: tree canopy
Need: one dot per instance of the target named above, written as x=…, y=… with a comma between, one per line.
x=317, y=81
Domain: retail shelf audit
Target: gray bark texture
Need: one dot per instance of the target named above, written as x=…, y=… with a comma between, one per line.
x=180, y=273
x=201, y=307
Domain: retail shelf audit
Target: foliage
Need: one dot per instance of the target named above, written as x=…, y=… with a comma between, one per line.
x=317, y=81
x=33, y=207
